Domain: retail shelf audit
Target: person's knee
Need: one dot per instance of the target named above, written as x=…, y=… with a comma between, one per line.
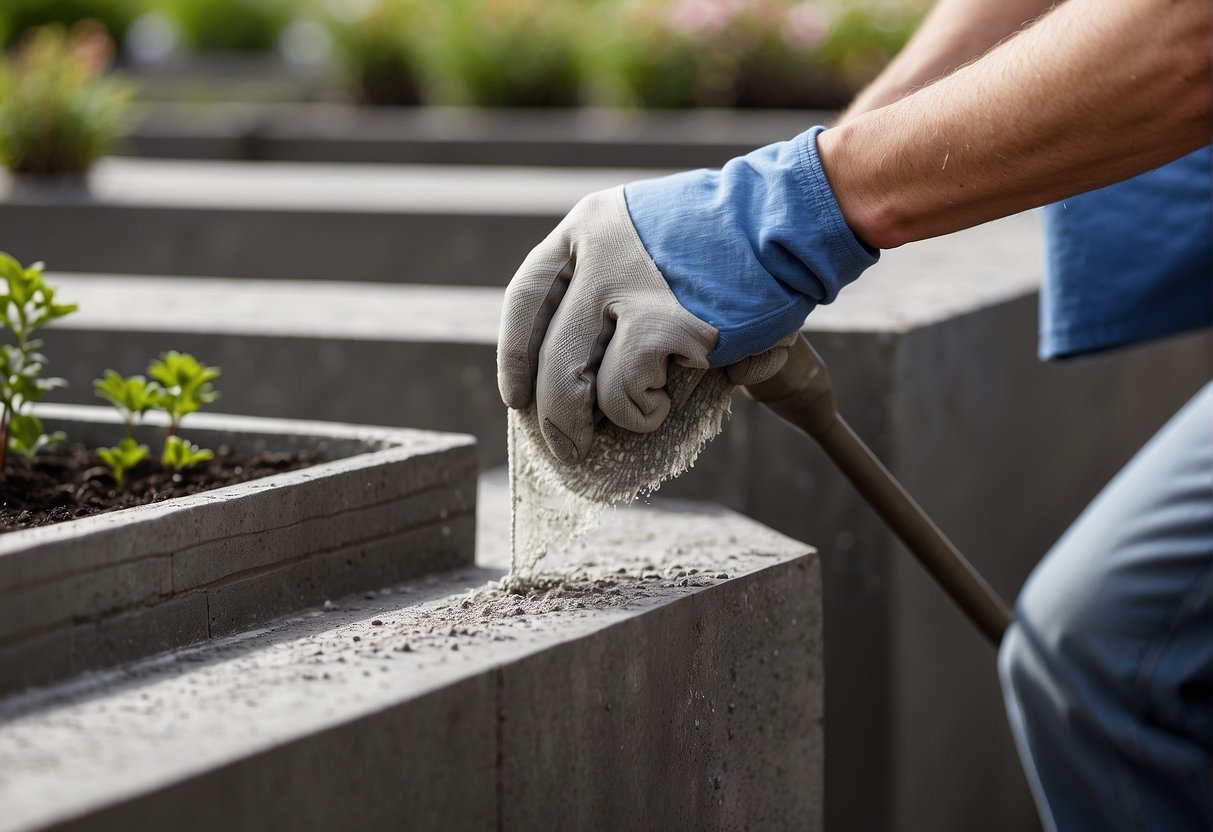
x=1022, y=669
x=1071, y=614
x=1013, y=661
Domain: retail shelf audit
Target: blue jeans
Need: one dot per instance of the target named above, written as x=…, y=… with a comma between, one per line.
x=1108, y=669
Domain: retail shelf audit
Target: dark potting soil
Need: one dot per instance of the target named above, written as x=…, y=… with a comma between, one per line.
x=73, y=482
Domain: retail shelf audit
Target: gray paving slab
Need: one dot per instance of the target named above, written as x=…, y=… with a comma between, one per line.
x=117, y=586
x=429, y=706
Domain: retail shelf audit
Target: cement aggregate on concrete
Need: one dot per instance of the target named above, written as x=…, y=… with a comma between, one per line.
x=388, y=504
x=673, y=680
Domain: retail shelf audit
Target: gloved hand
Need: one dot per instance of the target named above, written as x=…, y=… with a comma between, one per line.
x=708, y=268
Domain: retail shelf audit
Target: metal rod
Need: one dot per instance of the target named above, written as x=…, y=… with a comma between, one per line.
x=802, y=394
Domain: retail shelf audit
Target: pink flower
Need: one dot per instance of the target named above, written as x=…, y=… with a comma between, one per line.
x=805, y=26
x=704, y=17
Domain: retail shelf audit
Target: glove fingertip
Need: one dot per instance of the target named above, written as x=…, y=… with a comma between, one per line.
x=515, y=378
x=562, y=447
x=757, y=368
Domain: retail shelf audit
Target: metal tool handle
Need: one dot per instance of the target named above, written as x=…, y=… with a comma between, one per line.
x=802, y=394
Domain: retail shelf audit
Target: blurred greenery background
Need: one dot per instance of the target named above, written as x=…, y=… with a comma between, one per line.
x=529, y=53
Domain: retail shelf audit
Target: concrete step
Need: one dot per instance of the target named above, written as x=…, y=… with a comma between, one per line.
x=580, y=137
x=933, y=356
x=452, y=225
x=619, y=702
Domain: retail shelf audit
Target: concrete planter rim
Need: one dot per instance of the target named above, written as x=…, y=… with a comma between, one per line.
x=101, y=591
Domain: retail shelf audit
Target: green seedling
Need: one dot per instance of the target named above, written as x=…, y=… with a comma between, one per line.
x=131, y=396
x=186, y=384
x=27, y=437
x=180, y=454
x=26, y=304
x=123, y=458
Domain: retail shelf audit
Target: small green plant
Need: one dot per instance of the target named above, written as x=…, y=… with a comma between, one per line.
x=181, y=453
x=123, y=458
x=58, y=110
x=179, y=385
x=186, y=385
x=27, y=437
x=26, y=304
x=131, y=396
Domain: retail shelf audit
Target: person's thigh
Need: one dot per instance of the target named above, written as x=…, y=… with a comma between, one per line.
x=1107, y=669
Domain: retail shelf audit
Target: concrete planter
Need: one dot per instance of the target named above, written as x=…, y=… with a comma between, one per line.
x=655, y=703
x=577, y=137
x=386, y=223
x=390, y=504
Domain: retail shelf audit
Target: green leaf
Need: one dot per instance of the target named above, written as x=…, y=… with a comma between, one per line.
x=181, y=453
x=122, y=458
x=26, y=436
x=186, y=383
x=131, y=396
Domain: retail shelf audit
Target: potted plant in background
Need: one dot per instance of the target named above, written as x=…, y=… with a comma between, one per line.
x=506, y=53
x=59, y=110
x=18, y=16
x=378, y=47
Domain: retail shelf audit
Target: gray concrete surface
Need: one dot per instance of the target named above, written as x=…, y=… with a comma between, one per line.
x=581, y=137
x=386, y=505
x=391, y=223
x=933, y=355
x=616, y=701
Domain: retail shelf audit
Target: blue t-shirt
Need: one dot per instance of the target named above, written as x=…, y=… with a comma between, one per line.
x=1130, y=262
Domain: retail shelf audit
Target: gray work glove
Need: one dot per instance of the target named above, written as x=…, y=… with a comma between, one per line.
x=603, y=339
x=705, y=269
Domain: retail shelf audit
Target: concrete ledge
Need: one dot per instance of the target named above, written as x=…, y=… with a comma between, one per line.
x=395, y=224
x=88, y=593
x=617, y=702
x=583, y=137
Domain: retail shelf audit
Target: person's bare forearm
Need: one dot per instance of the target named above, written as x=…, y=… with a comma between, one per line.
x=952, y=34
x=1092, y=93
